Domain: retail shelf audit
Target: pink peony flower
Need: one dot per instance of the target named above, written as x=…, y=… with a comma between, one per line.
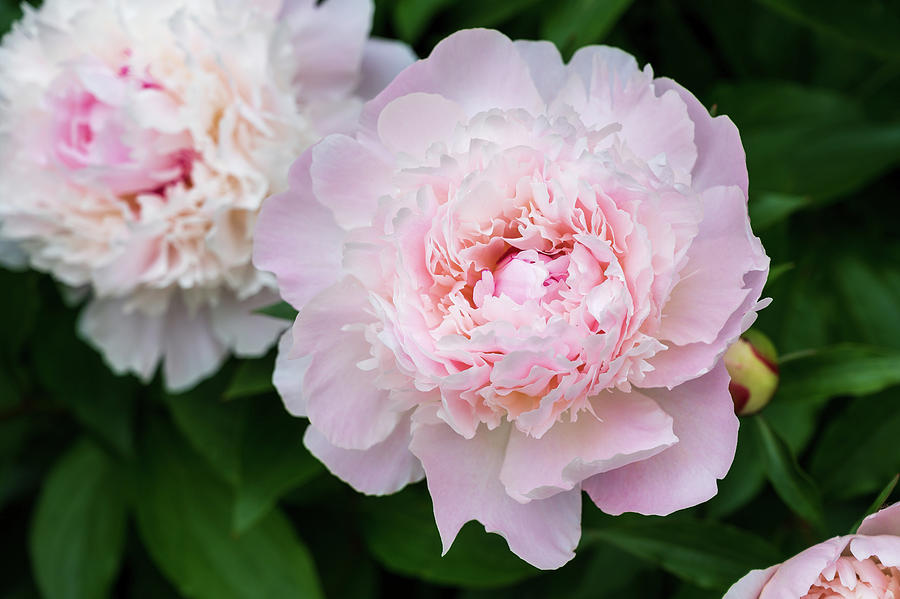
x=137, y=142
x=861, y=566
x=516, y=278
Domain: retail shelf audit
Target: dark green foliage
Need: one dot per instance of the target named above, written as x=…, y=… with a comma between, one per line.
x=110, y=488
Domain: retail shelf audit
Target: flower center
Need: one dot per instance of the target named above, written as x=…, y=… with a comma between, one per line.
x=851, y=578
x=530, y=275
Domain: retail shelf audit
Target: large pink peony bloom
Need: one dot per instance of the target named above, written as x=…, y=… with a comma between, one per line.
x=861, y=566
x=516, y=278
x=139, y=138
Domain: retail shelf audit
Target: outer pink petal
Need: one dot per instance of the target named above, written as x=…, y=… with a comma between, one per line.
x=480, y=69
x=288, y=376
x=686, y=473
x=883, y=522
x=750, y=586
x=885, y=547
x=343, y=402
x=411, y=123
x=546, y=66
x=794, y=577
x=244, y=332
x=348, y=178
x=627, y=427
x=619, y=92
x=464, y=481
x=298, y=239
x=382, y=60
x=719, y=285
x=384, y=468
x=720, y=154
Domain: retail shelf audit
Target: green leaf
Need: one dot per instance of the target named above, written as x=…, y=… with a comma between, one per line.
x=708, y=554
x=253, y=377
x=572, y=24
x=869, y=298
x=411, y=17
x=857, y=450
x=776, y=271
x=401, y=534
x=78, y=530
x=282, y=310
x=184, y=519
x=20, y=303
x=870, y=25
x=857, y=370
x=273, y=461
x=769, y=209
x=793, y=485
x=214, y=427
x=777, y=122
x=101, y=401
x=879, y=502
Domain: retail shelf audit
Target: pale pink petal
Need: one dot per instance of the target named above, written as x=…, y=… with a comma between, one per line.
x=382, y=60
x=546, y=66
x=719, y=285
x=883, y=522
x=245, y=332
x=463, y=479
x=329, y=38
x=750, y=586
x=686, y=473
x=343, y=402
x=384, y=468
x=885, y=547
x=720, y=154
x=288, y=375
x=618, y=92
x=794, y=577
x=349, y=178
x=624, y=428
x=298, y=240
x=411, y=123
x=479, y=69
x=191, y=351
x=131, y=342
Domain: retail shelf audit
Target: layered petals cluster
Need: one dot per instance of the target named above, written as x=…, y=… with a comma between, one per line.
x=516, y=278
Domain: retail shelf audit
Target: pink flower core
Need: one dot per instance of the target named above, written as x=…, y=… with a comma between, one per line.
x=850, y=578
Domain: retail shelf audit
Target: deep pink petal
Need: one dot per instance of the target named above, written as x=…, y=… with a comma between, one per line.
x=686, y=473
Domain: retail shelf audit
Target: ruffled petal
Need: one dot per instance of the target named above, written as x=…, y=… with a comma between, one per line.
x=342, y=400
x=883, y=522
x=298, y=239
x=384, y=468
x=686, y=473
x=463, y=478
x=623, y=428
x=794, y=577
x=750, y=586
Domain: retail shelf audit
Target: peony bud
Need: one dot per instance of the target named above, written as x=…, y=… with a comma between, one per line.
x=752, y=363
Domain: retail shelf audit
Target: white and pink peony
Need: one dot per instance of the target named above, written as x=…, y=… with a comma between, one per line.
x=516, y=278
x=137, y=142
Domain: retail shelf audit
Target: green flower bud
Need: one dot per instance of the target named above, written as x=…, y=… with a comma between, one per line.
x=752, y=364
